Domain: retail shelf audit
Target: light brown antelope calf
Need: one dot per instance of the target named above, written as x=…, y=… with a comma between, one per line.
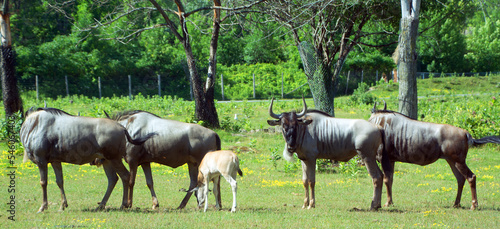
x=213, y=165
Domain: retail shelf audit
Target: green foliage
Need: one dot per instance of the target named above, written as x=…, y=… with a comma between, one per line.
x=361, y=94
x=445, y=47
x=10, y=128
x=238, y=81
x=484, y=46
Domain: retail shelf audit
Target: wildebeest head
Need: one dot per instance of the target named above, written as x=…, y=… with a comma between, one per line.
x=290, y=123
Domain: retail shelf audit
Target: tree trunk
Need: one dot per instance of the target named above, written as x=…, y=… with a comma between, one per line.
x=11, y=99
x=322, y=89
x=407, y=59
x=211, y=113
x=204, y=101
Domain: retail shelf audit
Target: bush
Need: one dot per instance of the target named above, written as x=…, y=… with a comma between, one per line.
x=361, y=95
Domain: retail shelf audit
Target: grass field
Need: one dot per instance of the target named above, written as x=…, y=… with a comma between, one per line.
x=270, y=194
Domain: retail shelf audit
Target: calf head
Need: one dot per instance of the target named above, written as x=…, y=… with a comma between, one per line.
x=290, y=123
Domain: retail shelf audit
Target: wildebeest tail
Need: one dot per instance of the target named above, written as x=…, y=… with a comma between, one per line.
x=140, y=140
x=217, y=141
x=384, y=159
x=481, y=141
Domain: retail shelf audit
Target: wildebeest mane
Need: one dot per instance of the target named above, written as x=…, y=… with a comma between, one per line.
x=390, y=112
x=319, y=112
x=126, y=114
x=51, y=110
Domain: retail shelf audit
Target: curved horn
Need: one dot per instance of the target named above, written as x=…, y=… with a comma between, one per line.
x=304, y=110
x=273, y=115
x=385, y=105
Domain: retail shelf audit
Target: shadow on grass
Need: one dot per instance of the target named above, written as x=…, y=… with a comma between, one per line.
x=385, y=210
x=480, y=208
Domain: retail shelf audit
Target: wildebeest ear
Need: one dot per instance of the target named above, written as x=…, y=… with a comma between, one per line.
x=305, y=121
x=273, y=122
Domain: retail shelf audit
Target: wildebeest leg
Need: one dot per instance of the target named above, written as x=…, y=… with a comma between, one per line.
x=133, y=172
x=460, y=182
x=125, y=177
x=193, y=175
x=471, y=178
x=146, y=167
x=112, y=179
x=376, y=174
x=42, y=167
x=388, y=180
x=234, y=187
x=60, y=182
x=309, y=180
x=218, y=204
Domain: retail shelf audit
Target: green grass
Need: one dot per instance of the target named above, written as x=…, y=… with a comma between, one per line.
x=270, y=194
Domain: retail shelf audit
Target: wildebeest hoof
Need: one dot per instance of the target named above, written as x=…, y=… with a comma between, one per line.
x=42, y=208
x=100, y=208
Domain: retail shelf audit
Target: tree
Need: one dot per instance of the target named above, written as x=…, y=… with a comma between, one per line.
x=334, y=27
x=11, y=99
x=407, y=58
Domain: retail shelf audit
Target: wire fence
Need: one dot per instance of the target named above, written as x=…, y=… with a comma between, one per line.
x=129, y=85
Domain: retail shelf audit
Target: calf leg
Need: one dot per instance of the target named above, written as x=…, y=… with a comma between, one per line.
x=146, y=167
x=60, y=182
x=376, y=174
x=42, y=167
x=234, y=187
x=217, y=196
x=112, y=179
x=471, y=178
x=309, y=181
x=193, y=175
x=205, y=193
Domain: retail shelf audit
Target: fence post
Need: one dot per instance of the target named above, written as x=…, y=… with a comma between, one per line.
x=67, y=90
x=159, y=85
x=99, y=86
x=282, y=88
x=129, y=87
x=36, y=86
x=376, y=77
x=222, y=86
x=347, y=83
x=253, y=85
x=362, y=71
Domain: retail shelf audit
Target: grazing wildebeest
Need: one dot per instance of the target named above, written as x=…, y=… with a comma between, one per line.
x=213, y=165
x=314, y=134
x=422, y=143
x=177, y=143
x=53, y=136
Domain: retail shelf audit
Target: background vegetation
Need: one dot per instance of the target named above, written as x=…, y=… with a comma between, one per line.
x=270, y=193
x=52, y=46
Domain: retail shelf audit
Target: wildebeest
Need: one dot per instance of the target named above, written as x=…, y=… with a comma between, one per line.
x=177, y=143
x=53, y=136
x=313, y=134
x=213, y=165
x=422, y=143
